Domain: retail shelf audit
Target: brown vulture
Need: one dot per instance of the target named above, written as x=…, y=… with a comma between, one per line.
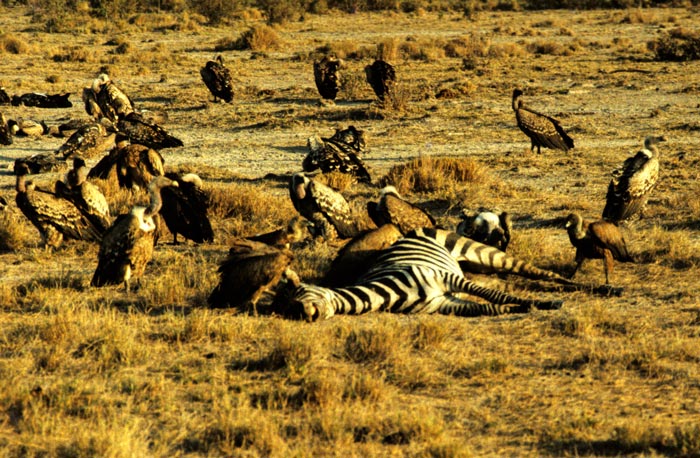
x=144, y=132
x=543, y=130
x=127, y=246
x=185, y=209
x=393, y=209
x=5, y=131
x=134, y=166
x=217, y=78
x=27, y=128
x=88, y=141
x=284, y=237
x=84, y=195
x=382, y=77
x=597, y=240
x=340, y=153
x=487, y=227
x=113, y=103
x=631, y=184
x=327, y=76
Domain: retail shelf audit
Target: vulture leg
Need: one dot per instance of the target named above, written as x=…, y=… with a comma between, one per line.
x=579, y=262
x=607, y=265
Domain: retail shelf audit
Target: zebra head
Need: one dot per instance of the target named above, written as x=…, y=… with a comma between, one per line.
x=312, y=302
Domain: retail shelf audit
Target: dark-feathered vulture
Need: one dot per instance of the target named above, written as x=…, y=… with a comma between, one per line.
x=631, y=184
x=84, y=195
x=35, y=99
x=88, y=141
x=113, y=103
x=598, y=240
x=340, y=153
x=382, y=77
x=217, y=77
x=134, y=166
x=5, y=131
x=140, y=130
x=327, y=76
x=487, y=227
x=67, y=128
x=40, y=163
x=91, y=106
x=393, y=209
x=250, y=270
x=53, y=216
x=127, y=246
x=185, y=209
x=5, y=98
x=326, y=208
x=543, y=130
x=284, y=237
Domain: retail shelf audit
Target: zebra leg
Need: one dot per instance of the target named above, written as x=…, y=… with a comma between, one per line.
x=452, y=305
x=499, y=297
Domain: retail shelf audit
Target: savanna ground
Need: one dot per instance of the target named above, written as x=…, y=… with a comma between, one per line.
x=86, y=372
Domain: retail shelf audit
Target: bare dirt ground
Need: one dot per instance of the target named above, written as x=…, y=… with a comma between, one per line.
x=604, y=376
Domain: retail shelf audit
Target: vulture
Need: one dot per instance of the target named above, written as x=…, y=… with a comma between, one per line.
x=5, y=131
x=327, y=76
x=543, y=130
x=127, y=246
x=54, y=216
x=27, y=128
x=66, y=129
x=142, y=131
x=358, y=254
x=631, y=184
x=393, y=209
x=284, y=237
x=40, y=163
x=487, y=227
x=250, y=270
x=5, y=99
x=382, y=77
x=35, y=99
x=325, y=208
x=88, y=141
x=112, y=102
x=218, y=79
x=133, y=165
x=185, y=209
x=84, y=195
x=597, y=240
x=340, y=153
x=91, y=106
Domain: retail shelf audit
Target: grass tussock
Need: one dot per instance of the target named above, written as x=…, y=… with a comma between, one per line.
x=259, y=38
x=9, y=43
x=15, y=231
x=429, y=174
x=676, y=45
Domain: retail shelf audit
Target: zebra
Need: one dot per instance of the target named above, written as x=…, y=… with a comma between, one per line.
x=421, y=274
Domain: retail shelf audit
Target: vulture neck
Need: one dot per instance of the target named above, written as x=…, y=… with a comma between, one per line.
x=575, y=231
x=156, y=202
x=21, y=184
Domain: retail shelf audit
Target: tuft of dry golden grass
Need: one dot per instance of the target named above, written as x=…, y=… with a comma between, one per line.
x=430, y=174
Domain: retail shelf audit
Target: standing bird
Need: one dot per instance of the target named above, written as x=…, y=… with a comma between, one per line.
x=134, y=166
x=382, y=77
x=217, y=77
x=394, y=209
x=597, y=240
x=543, y=130
x=5, y=131
x=631, y=184
x=327, y=76
x=487, y=227
x=185, y=209
x=113, y=103
x=84, y=195
x=144, y=132
x=88, y=141
x=250, y=270
x=326, y=208
x=54, y=216
x=127, y=246
x=340, y=153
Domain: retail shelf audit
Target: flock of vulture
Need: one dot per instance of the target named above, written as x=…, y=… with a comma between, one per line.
x=74, y=208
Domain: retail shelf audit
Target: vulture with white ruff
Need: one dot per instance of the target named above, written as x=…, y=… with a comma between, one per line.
x=543, y=131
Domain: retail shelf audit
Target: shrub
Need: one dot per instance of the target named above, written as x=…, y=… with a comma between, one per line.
x=13, y=45
x=676, y=45
x=258, y=38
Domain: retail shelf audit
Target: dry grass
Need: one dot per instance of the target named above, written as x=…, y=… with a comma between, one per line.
x=12, y=44
x=98, y=372
x=259, y=38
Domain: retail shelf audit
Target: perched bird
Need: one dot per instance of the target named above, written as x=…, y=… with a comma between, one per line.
x=133, y=166
x=41, y=162
x=185, y=209
x=56, y=218
x=84, y=195
x=543, y=130
x=284, y=237
x=5, y=98
x=127, y=246
x=487, y=227
x=382, y=77
x=250, y=270
x=326, y=208
x=5, y=131
x=597, y=240
x=36, y=99
x=113, y=103
x=393, y=209
x=327, y=76
x=358, y=254
x=142, y=131
x=631, y=184
x=91, y=106
x=340, y=153
x=27, y=128
x=88, y=141
x=217, y=78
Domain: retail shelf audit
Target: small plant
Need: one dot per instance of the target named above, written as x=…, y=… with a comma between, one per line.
x=258, y=38
x=676, y=46
x=13, y=45
x=427, y=174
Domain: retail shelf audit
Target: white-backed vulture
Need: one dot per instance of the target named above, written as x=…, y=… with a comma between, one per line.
x=85, y=195
x=543, y=131
x=284, y=237
x=144, y=132
x=113, y=103
x=185, y=209
x=217, y=78
x=340, y=153
x=394, y=209
x=488, y=227
x=5, y=131
x=88, y=141
x=27, y=127
x=133, y=166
